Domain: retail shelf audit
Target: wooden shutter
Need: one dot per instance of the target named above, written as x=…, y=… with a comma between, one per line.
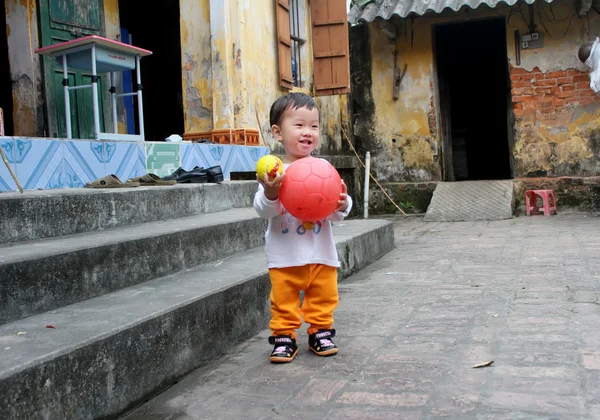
x=331, y=47
x=284, y=44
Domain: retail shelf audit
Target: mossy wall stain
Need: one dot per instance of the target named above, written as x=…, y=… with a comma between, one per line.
x=401, y=140
x=559, y=150
x=416, y=152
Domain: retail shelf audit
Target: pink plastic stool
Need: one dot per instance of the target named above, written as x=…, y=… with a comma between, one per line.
x=546, y=195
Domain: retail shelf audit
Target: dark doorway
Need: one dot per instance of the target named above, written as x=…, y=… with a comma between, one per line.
x=156, y=28
x=6, y=100
x=472, y=67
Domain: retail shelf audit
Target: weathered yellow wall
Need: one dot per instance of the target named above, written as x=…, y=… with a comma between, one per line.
x=112, y=30
x=256, y=57
x=222, y=62
x=196, y=65
x=560, y=49
x=111, y=19
x=405, y=137
x=260, y=67
x=21, y=28
x=242, y=67
x=408, y=147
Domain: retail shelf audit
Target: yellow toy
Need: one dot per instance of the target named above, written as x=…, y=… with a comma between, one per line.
x=269, y=164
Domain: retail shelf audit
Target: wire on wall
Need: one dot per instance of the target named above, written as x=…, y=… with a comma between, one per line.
x=544, y=17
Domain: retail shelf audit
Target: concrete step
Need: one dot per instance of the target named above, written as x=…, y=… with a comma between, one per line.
x=51, y=213
x=49, y=273
x=109, y=353
x=471, y=201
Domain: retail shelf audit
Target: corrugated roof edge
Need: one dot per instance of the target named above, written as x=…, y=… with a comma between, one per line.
x=375, y=10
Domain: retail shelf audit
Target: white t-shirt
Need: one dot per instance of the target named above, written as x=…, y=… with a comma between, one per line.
x=593, y=62
x=289, y=243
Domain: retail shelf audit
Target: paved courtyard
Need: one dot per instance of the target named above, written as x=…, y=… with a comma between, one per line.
x=524, y=293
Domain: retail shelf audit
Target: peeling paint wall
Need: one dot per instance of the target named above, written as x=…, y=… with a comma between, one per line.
x=557, y=124
x=239, y=53
x=334, y=118
x=222, y=62
x=196, y=65
x=231, y=71
x=22, y=30
x=259, y=62
x=405, y=139
x=260, y=66
x=112, y=25
x=557, y=115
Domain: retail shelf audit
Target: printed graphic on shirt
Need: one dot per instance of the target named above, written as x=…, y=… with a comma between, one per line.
x=287, y=221
x=306, y=226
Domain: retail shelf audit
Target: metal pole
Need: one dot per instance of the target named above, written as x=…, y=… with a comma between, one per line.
x=113, y=95
x=367, y=178
x=139, y=94
x=95, y=95
x=67, y=101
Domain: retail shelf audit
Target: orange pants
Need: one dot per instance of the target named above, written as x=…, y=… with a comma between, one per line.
x=319, y=283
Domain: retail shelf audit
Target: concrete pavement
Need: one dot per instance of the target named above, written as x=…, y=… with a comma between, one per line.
x=524, y=293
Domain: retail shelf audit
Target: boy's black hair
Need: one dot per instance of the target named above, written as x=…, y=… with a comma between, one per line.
x=585, y=50
x=291, y=100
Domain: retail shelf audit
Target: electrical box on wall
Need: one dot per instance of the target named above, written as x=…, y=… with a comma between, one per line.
x=532, y=41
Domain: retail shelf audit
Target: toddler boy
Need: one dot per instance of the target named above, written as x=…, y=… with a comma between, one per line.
x=301, y=254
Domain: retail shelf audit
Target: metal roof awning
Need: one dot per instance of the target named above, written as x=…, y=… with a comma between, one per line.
x=385, y=9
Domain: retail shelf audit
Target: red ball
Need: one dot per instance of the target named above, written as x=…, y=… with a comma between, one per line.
x=311, y=189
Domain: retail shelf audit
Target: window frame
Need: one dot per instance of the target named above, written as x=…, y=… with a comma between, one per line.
x=325, y=24
x=297, y=17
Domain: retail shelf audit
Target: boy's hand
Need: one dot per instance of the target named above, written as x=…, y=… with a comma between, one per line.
x=272, y=187
x=343, y=202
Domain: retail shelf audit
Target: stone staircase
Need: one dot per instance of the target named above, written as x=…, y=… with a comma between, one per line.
x=109, y=296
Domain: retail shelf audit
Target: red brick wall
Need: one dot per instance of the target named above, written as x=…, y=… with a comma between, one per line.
x=550, y=97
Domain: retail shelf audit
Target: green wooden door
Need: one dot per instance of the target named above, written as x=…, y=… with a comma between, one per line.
x=60, y=21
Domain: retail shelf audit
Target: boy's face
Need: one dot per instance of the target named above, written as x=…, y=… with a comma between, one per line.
x=298, y=132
